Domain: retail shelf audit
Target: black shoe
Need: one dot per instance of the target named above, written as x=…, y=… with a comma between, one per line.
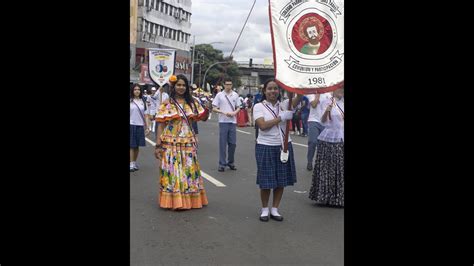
x=276, y=218
x=220, y=169
x=264, y=218
x=231, y=166
x=309, y=166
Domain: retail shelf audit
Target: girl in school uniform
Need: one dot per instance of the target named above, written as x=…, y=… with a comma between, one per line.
x=271, y=117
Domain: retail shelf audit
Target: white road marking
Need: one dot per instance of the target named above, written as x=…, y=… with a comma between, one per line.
x=294, y=143
x=245, y=132
x=300, y=192
x=151, y=142
x=212, y=179
x=205, y=175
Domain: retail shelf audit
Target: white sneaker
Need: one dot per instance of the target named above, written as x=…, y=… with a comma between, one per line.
x=135, y=166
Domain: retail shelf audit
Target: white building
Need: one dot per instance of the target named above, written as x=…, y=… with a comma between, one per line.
x=163, y=24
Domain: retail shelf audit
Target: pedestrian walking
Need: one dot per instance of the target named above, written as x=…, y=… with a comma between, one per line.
x=249, y=107
x=314, y=124
x=304, y=115
x=226, y=104
x=138, y=124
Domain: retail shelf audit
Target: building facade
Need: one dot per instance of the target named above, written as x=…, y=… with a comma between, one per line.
x=160, y=24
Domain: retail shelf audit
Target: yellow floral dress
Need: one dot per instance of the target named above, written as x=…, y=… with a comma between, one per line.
x=182, y=185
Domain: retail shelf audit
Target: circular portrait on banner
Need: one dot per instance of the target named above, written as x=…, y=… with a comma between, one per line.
x=312, y=34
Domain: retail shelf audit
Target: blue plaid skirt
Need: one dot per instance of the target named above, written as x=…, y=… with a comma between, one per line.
x=137, y=136
x=271, y=172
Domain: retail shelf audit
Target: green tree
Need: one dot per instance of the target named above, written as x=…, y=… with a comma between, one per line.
x=205, y=55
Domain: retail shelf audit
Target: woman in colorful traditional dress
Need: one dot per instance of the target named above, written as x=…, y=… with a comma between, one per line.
x=181, y=183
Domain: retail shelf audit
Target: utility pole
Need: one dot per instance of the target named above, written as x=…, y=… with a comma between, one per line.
x=192, y=60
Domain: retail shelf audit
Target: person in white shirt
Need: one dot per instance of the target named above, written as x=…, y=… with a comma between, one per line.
x=160, y=96
x=314, y=124
x=227, y=106
x=248, y=105
x=151, y=108
x=328, y=176
x=138, y=124
x=271, y=117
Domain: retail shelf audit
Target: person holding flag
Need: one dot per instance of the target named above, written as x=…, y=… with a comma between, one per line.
x=271, y=117
x=308, y=52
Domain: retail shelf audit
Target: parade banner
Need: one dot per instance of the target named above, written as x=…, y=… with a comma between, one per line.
x=308, y=44
x=161, y=64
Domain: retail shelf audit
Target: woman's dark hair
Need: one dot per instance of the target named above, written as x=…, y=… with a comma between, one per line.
x=265, y=88
x=133, y=95
x=187, y=94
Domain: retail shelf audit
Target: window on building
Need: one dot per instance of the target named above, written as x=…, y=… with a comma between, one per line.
x=171, y=10
x=152, y=4
x=147, y=2
x=139, y=25
x=166, y=8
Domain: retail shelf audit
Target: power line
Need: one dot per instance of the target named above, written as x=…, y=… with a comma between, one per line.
x=242, y=28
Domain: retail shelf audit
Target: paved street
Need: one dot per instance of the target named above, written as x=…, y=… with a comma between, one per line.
x=228, y=230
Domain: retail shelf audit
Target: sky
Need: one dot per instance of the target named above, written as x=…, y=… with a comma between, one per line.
x=222, y=20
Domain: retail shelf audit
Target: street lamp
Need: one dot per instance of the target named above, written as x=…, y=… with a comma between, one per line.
x=192, y=59
x=200, y=63
x=205, y=73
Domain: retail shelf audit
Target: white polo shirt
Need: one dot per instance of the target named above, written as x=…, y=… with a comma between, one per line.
x=221, y=102
x=334, y=128
x=160, y=97
x=316, y=113
x=135, y=116
x=270, y=137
